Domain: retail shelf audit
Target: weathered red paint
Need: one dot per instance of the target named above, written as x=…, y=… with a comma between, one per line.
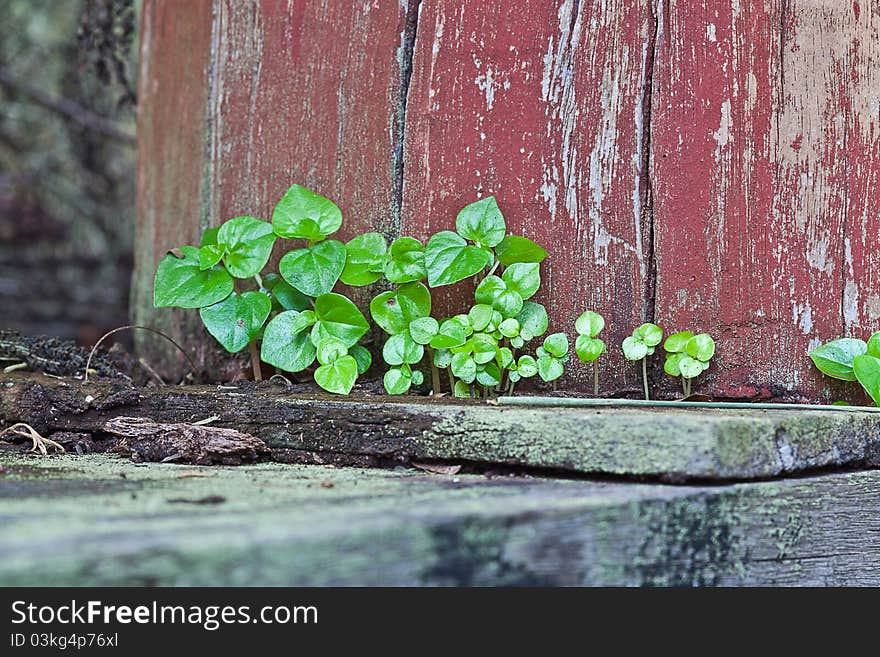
x=709, y=165
x=538, y=103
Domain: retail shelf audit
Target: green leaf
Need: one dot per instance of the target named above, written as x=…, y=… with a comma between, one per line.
x=464, y=367
x=481, y=222
x=303, y=214
x=650, y=334
x=210, y=255
x=671, y=365
x=423, y=329
x=461, y=389
x=451, y=334
x=493, y=291
x=489, y=374
x=406, y=261
x=589, y=324
x=449, y=259
x=362, y=357
x=248, y=242
x=288, y=297
x=401, y=348
x=874, y=345
x=237, y=320
x=504, y=358
x=286, y=343
x=483, y=348
x=509, y=328
x=690, y=367
x=532, y=319
x=331, y=350
x=210, y=236
x=181, y=282
x=835, y=358
x=514, y=248
x=337, y=317
x=365, y=259
x=479, y=316
x=442, y=358
x=634, y=349
x=395, y=310
x=417, y=377
x=588, y=349
x=524, y=278
x=397, y=381
x=517, y=342
x=339, y=376
x=556, y=344
x=527, y=366
x=314, y=270
x=677, y=342
x=867, y=371
x=701, y=347
x=550, y=368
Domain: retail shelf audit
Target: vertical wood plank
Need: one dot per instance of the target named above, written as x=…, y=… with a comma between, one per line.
x=540, y=104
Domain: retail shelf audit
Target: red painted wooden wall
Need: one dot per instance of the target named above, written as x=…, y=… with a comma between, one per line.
x=711, y=165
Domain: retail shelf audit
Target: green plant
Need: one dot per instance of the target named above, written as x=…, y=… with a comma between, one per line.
x=688, y=356
x=851, y=359
x=296, y=316
x=587, y=346
x=476, y=348
x=640, y=345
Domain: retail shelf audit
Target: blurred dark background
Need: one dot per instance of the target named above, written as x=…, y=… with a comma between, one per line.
x=67, y=155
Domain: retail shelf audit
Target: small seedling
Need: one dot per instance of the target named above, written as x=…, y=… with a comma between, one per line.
x=688, y=356
x=640, y=345
x=587, y=346
x=851, y=359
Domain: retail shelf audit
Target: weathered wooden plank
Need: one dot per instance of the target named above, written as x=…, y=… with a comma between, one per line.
x=273, y=93
x=755, y=101
x=173, y=92
x=671, y=444
x=96, y=520
x=542, y=105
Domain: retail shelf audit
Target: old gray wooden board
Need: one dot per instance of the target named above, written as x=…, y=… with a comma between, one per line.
x=102, y=520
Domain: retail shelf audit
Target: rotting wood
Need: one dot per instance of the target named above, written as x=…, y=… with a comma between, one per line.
x=675, y=445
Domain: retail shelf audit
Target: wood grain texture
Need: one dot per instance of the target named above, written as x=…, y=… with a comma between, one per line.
x=540, y=104
x=99, y=521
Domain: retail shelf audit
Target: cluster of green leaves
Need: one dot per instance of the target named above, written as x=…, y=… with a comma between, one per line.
x=478, y=347
x=851, y=359
x=296, y=316
x=640, y=345
x=688, y=356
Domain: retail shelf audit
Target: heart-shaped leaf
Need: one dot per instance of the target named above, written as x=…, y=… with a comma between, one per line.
x=449, y=259
x=401, y=348
x=395, y=310
x=701, y=347
x=286, y=344
x=556, y=344
x=588, y=349
x=493, y=291
x=461, y=389
x=634, y=349
x=464, y=367
x=450, y=334
x=690, y=367
x=650, y=334
x=489, y=374
x=527, y=366
x=677, y=342
x=524, y=278
x=210, y=255
x=337, y=317
x=248, y=242
x=237, y=320
x=397, y=381
x=673, y=359
x=339, y=376
x=423, y=329
x=331, y=350
x=481, y=222
x=182, y=282
x=362, y=356
x=509, y=328
x=514, y=248
x=835, y=358
x=479, y=316
x=303, y=214
x=284, y=295
x=365, y=259
x=314, y=270
x=589, y=324
x=867, y=371
x=532, y=319
x=406, y=261
x=550, y=368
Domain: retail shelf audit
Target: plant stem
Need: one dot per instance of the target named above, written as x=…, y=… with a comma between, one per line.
x=595, y=379
x=259, y=280
x=684, y=386
x=451, y=381
x=510, y=389
x=473, y=393
x=255, y=360
x=645, y=376
x=485, y=392
x=435, y=373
